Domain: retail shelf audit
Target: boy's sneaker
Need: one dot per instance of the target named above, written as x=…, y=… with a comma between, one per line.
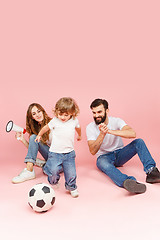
x=39, y=162
x=24, y=176
x=74, y=193
x=133, y=186
x=153, y=176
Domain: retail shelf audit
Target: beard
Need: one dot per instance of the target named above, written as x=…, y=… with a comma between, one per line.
x=100, y=120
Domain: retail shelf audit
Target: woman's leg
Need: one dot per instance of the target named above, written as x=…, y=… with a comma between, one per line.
x=33, y=149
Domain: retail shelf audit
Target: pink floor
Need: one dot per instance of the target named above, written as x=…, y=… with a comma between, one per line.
x=102, y=211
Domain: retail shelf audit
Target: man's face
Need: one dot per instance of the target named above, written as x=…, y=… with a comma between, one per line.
x=99, y=114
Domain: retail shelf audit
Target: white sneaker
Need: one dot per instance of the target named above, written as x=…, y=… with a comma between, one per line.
x=39, y=162
x=74, y=193
x=24, y=176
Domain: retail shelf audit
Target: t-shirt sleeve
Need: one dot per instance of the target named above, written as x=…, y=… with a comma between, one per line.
x=121, y=123
x=77, y=125
x=90, y=133
x=51, y=124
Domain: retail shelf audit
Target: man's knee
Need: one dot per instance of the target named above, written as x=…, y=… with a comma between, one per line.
x=139, y=142
x=103, y=164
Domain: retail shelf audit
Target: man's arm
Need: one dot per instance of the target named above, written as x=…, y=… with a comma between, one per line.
x=94, y=145
x=125, y=132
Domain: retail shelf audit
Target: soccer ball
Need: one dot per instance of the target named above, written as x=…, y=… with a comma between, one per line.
x=41, y=197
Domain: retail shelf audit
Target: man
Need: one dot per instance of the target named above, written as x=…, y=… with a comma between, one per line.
x=104, y=137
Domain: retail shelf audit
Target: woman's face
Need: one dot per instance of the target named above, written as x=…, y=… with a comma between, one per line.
x=37, y=114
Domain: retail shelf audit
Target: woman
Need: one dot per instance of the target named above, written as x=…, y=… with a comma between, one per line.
x=36, y=118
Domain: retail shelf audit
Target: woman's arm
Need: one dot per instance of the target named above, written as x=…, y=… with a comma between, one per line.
x=20, y=137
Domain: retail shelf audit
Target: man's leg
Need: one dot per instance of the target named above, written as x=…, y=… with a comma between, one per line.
x=106, y=164
x=139, y=147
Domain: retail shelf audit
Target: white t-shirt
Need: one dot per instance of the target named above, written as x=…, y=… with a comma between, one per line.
x=110, y=142
x=63, y=135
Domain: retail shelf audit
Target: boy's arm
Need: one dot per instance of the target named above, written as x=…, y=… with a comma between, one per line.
x=42, y=131
x=78, y=130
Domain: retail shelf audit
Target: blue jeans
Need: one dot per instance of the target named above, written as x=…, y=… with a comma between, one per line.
x=33, y=149
x=67, y=160
x=109, y=162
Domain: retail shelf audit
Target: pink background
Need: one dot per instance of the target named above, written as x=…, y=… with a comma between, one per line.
x=82, y=49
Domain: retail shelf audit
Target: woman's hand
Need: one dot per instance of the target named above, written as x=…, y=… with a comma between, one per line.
x=19, y=136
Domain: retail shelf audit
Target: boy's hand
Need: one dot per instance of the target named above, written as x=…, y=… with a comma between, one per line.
x=38, y=138
x=79, y=138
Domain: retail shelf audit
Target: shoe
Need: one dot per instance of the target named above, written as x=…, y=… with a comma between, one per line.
x=74, y=193
x=24, y=176
x=153, y=176
x=133, y=186
x=39, y=162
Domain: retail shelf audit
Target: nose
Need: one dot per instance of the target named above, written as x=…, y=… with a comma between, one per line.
x=96, y=115
x=62, y=117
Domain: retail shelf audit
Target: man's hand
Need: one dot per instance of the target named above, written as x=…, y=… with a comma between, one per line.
x=103, y=128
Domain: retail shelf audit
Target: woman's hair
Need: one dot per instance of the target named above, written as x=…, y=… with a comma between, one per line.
x=32, y=126
x=66, y=105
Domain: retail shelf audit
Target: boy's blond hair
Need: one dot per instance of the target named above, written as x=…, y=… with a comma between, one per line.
x=66, y=105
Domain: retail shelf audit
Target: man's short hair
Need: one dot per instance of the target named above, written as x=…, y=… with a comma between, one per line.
x=98, y=102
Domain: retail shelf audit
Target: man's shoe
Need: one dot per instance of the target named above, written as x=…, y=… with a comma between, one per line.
x=133, y=186
x=40, y=162
x=24, y=176
x=153, y=176
x=74, y=193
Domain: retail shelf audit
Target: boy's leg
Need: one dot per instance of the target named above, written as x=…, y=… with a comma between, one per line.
x=70, y=171
x=52, y=167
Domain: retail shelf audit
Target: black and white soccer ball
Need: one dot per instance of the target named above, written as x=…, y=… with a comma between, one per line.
x=41, y=197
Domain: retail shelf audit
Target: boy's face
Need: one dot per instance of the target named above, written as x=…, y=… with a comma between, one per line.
x=64, y=117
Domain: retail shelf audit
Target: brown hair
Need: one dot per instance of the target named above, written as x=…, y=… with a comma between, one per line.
x=97, y=102
x=32, y=126
x=66, y=104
